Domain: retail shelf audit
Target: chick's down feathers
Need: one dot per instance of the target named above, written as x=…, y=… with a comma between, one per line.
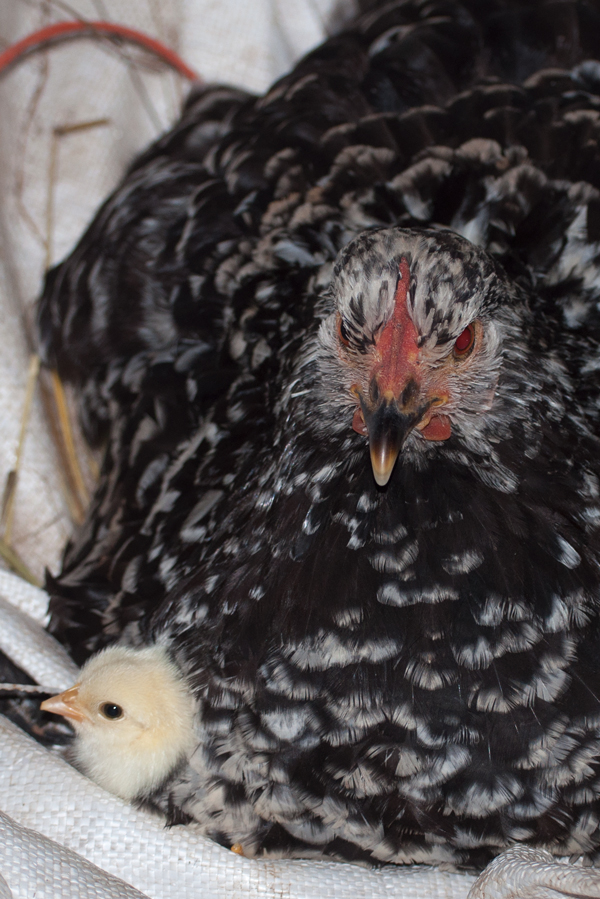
x=133, y=717
x=341, y=343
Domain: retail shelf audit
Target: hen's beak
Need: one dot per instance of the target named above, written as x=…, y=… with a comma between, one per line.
x=65, y=704
x=388, y=424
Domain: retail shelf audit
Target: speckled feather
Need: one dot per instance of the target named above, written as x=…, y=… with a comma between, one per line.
x=407, y=673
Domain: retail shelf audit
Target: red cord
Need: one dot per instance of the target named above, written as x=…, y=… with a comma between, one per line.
x=61, y=30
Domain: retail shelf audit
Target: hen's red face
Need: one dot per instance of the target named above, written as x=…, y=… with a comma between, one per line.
x=404, y=390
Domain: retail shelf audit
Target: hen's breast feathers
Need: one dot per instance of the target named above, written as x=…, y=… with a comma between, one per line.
x=405, y=672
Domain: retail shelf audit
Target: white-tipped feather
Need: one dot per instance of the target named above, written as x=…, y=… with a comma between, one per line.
x=153, y=732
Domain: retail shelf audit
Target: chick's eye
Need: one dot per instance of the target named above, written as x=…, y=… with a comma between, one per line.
x=343, y=332
x=464, y=342
x=111, y=710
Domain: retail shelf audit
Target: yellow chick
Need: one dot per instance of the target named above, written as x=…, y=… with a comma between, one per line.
x=133, y=715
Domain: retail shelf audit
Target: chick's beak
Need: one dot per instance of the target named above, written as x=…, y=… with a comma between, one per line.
x=66, y=704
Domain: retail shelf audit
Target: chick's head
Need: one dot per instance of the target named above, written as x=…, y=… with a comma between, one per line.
x=133, y=715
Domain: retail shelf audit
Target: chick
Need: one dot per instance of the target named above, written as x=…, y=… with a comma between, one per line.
x=133, y=716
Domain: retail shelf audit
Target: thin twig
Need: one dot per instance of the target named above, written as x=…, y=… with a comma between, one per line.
x=36, y=689
x=16, y=563
x=58, y=132
x=74, y=504
x=67, y=436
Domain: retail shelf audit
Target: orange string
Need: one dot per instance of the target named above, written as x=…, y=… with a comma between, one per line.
x=62, y=30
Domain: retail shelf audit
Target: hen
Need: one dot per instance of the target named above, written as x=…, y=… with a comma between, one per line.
x=359, y=499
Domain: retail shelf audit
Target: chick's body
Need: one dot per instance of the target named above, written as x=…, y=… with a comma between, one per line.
x=395, y=253
x=134, y=719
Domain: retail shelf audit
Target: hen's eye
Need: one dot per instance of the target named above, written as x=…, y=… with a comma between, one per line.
x=464, y=342
x=343, y=332
x=111, y=710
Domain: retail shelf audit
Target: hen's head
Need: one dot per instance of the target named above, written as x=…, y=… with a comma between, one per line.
x=415, y=342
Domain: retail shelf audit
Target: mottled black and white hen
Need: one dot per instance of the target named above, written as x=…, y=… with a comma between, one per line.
x=343, y=344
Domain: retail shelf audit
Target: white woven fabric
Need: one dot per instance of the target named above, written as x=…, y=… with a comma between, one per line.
x=33, y=649
x=522, y=873
x=38, y=867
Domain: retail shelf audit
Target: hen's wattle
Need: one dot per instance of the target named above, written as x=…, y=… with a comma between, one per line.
x=360, y=499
